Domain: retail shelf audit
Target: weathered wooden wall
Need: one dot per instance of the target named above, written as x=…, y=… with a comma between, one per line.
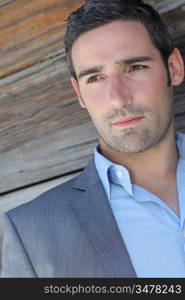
x=41, y=123
x=45, y=137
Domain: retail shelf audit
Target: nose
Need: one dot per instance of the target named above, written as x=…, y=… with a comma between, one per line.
x=119, y=91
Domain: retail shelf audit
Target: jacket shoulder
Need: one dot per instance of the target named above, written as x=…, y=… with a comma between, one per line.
x=56, y=199
x=52, y=198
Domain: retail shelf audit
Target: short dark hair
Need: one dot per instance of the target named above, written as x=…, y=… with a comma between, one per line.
x=95, y=13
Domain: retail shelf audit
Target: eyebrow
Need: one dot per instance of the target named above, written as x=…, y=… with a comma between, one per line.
x=128, y=61
x=133, y=60
x=89, y=71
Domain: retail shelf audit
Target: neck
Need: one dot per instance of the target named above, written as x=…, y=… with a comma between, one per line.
x=157, y=161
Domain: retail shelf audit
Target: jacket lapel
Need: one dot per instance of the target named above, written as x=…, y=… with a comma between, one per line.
x=97, y=219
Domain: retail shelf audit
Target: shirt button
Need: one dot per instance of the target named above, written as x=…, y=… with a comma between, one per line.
x=119, y=173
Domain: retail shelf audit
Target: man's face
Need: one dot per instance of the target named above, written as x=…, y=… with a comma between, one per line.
x=122, y=82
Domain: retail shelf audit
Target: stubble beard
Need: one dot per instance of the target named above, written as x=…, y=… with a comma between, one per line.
x=137, y=138
x=130, y=141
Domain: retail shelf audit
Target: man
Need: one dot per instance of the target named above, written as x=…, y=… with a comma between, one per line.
x=124, y=215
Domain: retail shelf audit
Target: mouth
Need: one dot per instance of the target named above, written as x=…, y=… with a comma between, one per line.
x=124, y=122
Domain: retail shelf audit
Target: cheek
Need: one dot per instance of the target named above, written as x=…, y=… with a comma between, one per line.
x=96, y=112
x=96, y=109
x=95, y=94
x=95, y=101
x=155, y=89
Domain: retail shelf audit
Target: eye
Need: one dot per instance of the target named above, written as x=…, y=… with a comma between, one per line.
x=137, y=67
x=94, y=78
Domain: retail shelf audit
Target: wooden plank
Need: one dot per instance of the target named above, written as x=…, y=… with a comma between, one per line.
x=179, y=101
x=30, y=30
x=166, y=5
x=38, y=97
x=14, y=199
x=45, y=158
x=44, y=131
x=5, y=2
x=180, y=123
x=175, y=19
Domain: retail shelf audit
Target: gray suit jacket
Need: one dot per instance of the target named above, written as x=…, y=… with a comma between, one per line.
x=69, y=231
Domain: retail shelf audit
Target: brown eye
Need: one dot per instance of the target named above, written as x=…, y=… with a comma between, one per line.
x=137, y=67
x=93, y=79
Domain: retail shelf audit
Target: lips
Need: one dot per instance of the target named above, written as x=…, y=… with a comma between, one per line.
x=127, y=121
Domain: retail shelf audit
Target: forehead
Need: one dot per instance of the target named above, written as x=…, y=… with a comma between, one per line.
x=111, y=42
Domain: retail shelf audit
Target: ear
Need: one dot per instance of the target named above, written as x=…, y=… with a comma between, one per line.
x=76, y=87
x=176, y=67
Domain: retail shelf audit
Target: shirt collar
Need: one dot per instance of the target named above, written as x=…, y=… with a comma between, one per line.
x=106, y=168
x=106, y=171
x=102, y=165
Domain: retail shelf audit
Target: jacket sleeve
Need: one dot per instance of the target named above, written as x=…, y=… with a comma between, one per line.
x=15, y=261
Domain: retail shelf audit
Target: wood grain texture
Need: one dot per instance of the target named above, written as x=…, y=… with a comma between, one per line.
x=5, y=2
x=30, y=31
x=163, y=6
x=44, y=133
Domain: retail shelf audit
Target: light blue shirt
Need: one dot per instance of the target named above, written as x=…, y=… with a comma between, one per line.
x=153, y=234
